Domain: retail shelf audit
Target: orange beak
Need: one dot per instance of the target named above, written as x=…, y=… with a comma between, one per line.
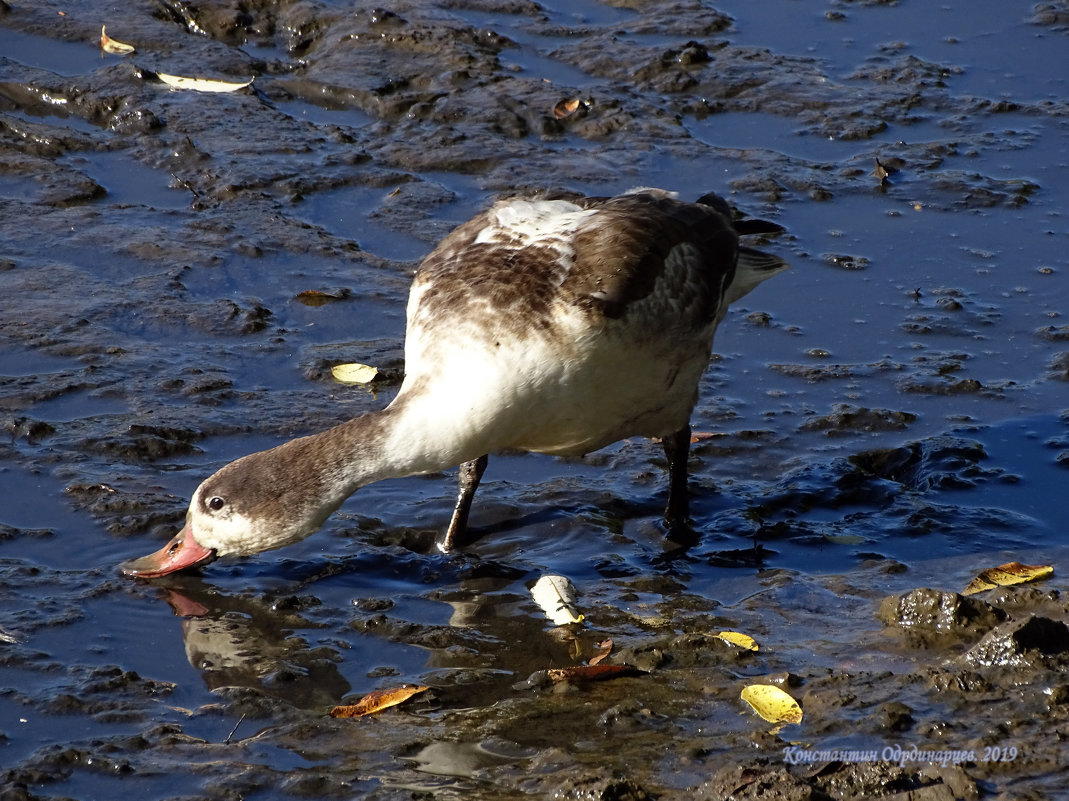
x=181, y=552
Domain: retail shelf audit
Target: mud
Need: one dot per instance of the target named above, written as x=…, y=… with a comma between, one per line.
x=180, y=269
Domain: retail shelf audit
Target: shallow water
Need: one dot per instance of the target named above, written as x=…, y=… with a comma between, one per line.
x=889, y=414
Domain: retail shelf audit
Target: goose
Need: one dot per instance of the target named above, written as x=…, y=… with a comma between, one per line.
x=554, y=324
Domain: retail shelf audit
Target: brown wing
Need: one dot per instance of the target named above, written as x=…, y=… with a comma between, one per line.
x=492, y=280
x=618, y=256
x=622, y=254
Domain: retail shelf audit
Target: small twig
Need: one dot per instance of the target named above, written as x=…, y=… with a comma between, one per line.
x=187, y=185
x=230, y=736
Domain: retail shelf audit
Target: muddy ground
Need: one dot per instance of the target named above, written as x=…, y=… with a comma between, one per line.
x=180, y=269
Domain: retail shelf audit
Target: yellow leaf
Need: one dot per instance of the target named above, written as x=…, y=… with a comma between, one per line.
x=377, y=701
x=772, y=704
x=1007, y=575
x=739, y=639
x=354, y=373
x=201, y=84
x=109, y=45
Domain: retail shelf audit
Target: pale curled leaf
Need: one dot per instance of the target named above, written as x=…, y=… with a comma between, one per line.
x=377, y=701
x=844, y=539
x=738, y=639
x=772, y=703
x=201, y=84
x=556, y=595
x=354, y=373
x=109, y=45
x=1007, y=575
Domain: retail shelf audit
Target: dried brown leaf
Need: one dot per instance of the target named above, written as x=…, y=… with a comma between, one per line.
x=317, y=297
x=566, y=108
x=592, y=673
x=604, y=649
x=377, y=701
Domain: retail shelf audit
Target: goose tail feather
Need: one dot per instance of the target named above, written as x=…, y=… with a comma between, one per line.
x=754, y=267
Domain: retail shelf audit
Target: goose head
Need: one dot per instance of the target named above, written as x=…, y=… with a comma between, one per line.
x=258, y=503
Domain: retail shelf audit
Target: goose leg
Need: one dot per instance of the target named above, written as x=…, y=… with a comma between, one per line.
x=470, y=475
x=677, y=449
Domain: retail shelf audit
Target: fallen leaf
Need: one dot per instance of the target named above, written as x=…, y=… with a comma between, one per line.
x=747, y=777
x=566, y=108
x=201, y=84
x=592, y=673
x=377, y=701
x=109, y=45
x=772, y=704
x=604, y=649
x=317, y=297
x=556, y=595
x=354, y=373
x=738, y=639
x=1007, y=575
x=844, y=539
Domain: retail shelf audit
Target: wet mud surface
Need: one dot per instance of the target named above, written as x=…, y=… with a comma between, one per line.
x=878, y=425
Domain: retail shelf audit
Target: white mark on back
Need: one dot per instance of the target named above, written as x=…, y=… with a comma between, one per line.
x=527, y=223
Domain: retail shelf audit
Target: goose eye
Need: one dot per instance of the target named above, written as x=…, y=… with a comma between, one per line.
x=215, y=503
